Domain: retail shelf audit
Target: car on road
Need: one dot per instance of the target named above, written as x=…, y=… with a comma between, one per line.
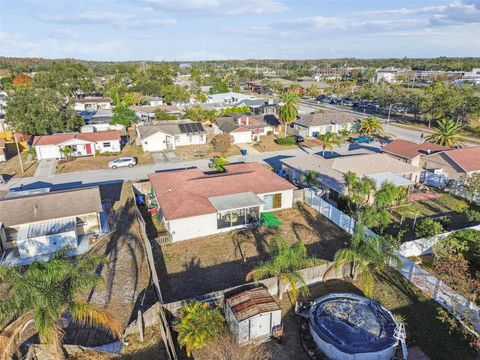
x=362, y=139
x=298, y=138
x=125, y=161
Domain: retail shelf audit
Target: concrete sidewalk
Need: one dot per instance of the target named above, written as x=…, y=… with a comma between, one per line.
x=46, y=168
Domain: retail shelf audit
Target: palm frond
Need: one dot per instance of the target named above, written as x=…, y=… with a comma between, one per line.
x=88, y=314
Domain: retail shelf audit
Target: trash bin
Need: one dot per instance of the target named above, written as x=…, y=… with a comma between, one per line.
x=244, y=152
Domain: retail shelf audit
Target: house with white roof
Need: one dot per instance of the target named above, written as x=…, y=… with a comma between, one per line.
x=92, y=104
x=79, y=144
x=229, y=98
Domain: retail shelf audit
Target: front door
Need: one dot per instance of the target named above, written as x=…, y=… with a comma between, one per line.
x=88, y=149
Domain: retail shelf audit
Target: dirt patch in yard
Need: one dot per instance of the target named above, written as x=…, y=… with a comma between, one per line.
x=267, y=143
x=203, y=151
x=11, y=167
x=126, y=275
x=194, y=267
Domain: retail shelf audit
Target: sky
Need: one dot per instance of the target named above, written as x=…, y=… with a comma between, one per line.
x=190, y=30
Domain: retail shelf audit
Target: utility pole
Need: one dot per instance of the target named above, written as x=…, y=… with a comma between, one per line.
x=18, y=151
x=388, y=118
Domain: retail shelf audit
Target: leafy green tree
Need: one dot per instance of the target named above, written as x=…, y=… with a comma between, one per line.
x=201, y=97
x=313, y=90
x=427, y=228
x=284, y=265
x=123, y=115
x=367, y=254
x=470, y=186
x=219, y=87
x=235, y=109
x=289, y=108
x=132, y=98
x=40, y=112
x=68, y=77
x=387, y=195
x=161, y=114
x=174, y=93
x=198, y=324
x=329, y=139
x=45, y=291
x=447, y=133
x=196, y=113
x=370, y=125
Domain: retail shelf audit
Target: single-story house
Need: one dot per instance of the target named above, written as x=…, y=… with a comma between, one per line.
x=154, y=100
x=332, y=171
x=40, y=222
x=246, y=128
x=92, y=104
x=412, y=153
x=319, y=123
x=253, y=315
x=192, y=203
x=80, y=144
x=167, y=135
x=230, y=98
x=454, y=164
x=147, y=113
x=261, y=106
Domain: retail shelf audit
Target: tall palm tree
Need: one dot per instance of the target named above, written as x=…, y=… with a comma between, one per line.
x=447, y=133
x=198, y=323
x=310, y=178
x=370, y=125
x=289, y=108
x=329, y=139
x=367, y=255
x=284, y=265
x=46, y=291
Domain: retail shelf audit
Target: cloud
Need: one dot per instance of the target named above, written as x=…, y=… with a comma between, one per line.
x=89, y=17
x=148, y=24
x=218, y=7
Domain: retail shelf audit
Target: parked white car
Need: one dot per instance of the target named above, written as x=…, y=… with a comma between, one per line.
x=125, y=161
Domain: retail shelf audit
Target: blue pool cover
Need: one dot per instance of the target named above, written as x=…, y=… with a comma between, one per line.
x=352, y=323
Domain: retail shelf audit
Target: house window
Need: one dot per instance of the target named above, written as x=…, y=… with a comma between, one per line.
x=177, y=139
x=11, y=234
x=106, y=145
x=237, y=217
x=273, y=201
x=201, y=138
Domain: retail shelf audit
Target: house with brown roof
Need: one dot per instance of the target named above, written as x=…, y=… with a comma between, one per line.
x=454, y=164
x=79, y=144
x=411, y=152
x=325, y=121
x=192, y=203
x=331, y=172
x=39, y=222
x=245, y=128
x=92, y=104
x=253, y=315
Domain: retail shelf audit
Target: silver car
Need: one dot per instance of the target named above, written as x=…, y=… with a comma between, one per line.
x=126, y=161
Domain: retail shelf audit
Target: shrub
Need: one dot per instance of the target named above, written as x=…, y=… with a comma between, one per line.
x=427, y=228
x=269, y=132
x=454, y=203
x=473, y=216
x=289, y=140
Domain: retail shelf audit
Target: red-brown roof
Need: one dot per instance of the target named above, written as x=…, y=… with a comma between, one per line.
x=468, y=159
x=251, y=302
x=93, y=100
x=186, y=193
x=409, y=150
x=61, y=138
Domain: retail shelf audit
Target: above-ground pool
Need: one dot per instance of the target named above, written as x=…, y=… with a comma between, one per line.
x=347, y=326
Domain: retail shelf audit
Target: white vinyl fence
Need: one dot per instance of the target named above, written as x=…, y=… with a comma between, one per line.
x=429, y=284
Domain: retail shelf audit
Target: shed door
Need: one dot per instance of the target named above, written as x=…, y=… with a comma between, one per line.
x=260, y=326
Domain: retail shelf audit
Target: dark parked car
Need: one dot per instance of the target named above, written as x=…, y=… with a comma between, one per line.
x=362, y=139
x=298, y=138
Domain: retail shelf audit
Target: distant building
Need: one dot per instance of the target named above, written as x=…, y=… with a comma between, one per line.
x=245, y=128
x=146, y=113
x=316, y=124
x=230, y=98
x=92, y=104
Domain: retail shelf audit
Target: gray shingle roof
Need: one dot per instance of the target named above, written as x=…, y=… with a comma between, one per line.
x=327, y=118
x=49, y=206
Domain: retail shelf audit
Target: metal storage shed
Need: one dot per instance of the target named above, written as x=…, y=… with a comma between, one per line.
x=253, y=315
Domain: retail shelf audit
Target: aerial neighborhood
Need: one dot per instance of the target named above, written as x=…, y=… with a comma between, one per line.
x=240, y=209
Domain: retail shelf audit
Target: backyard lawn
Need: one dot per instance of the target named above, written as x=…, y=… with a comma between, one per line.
x=198, y=266
x=445, y=207
x=400, y=297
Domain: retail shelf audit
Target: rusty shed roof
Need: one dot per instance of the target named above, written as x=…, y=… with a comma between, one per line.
x=251, y=302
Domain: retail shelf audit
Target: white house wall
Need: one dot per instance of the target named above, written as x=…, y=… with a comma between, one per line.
x=195, y=139
x=155, y=142
x=47, y=152
x=114, y=146
x=287, y=199
x=241, y=137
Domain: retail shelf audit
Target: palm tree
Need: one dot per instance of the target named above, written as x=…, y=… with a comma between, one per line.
x=289, y=109
x=370, y=125
x=198, y=323
x=285, y=264
x=310, y=178
x=45, y=292
x=329, y=139
x=447, y=133
x=367, y=255
x=66, y=151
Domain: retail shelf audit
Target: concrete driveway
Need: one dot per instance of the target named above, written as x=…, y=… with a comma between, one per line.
x=46, y=168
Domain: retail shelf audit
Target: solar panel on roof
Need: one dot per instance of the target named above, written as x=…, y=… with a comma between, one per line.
x=183, y=130
x=200, y=127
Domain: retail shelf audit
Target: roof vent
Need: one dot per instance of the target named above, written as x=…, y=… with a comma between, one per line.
x=429, y=151
x=35, y=210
